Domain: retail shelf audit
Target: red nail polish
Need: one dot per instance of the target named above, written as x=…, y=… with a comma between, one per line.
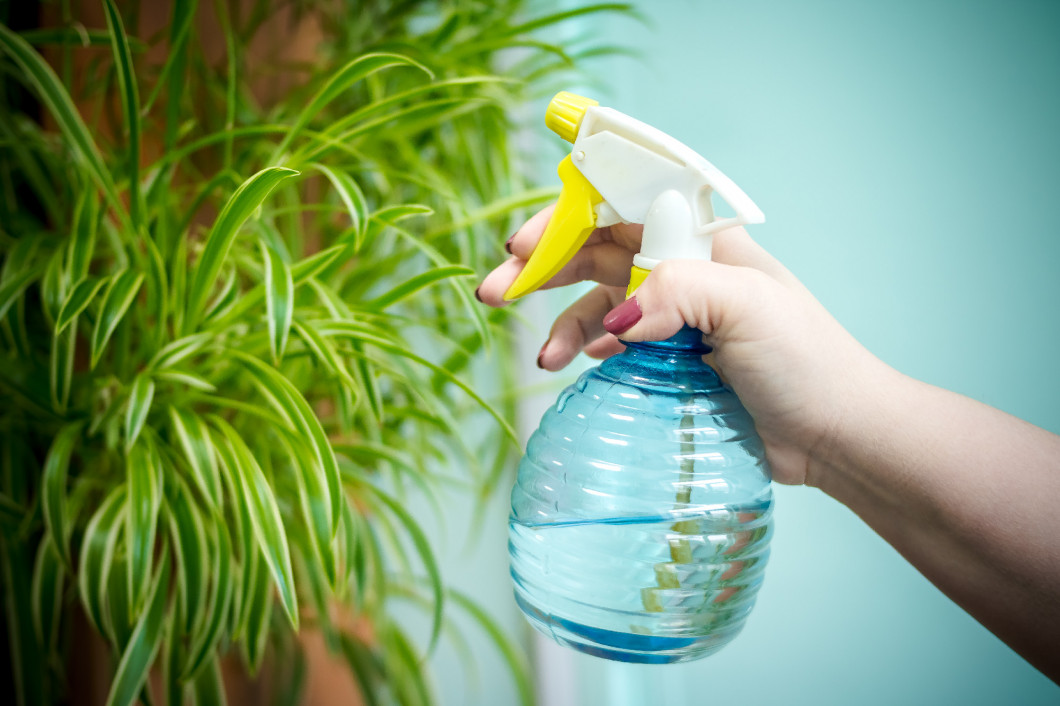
x=622, y=317
x=541, y=354
x=508, y=244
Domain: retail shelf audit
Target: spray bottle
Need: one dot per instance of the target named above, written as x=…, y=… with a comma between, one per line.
x=641, y=514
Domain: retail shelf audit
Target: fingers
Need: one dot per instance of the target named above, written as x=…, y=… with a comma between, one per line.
x=715, y=298
x=581, y=327
x=606, y=257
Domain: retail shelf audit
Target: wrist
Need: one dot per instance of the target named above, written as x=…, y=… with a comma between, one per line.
x=870, y=401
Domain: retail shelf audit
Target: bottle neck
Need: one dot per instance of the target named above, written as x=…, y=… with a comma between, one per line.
x=687, y=341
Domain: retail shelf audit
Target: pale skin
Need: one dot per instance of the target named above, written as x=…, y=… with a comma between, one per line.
x=965, y=492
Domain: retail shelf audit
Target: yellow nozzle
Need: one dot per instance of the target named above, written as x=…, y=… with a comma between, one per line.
x=572, y=223
x=565, y=114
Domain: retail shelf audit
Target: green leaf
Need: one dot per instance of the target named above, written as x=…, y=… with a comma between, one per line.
x=130, y=101
x=260, y=599
x=179, y=26
x=27, y=663
x=312, y=497
x=279, y=300
x=183, y=378
x=366, y=666
x=286, y=398
x=143, y=392
x=143, y=473
x=178, y=350
x=49, y=88
x=260, y=503
x=119, y=295
x=53, y=492
x=145, y=640
x=341, y=81
x=404, y=668
x=209, y=687
x=325, y=353
x=77, y=301
x=221, y=599
x=97, y=555
x=237, y=210
x=352, y=197
x=199, y=452
x=423, y=548
x=12, y=287
x=513, y=655
x=83, y=241
x=315, y=264
x=348, y=329
x=192, y=551
x=48, y=594
x=424, y=279
x=61, y=368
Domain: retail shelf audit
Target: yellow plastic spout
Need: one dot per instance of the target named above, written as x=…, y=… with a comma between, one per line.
x=572, y=223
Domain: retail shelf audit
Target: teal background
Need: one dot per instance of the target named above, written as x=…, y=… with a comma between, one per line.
x=907, y=157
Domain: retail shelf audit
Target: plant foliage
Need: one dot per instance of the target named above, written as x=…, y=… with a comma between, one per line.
x=237, y=323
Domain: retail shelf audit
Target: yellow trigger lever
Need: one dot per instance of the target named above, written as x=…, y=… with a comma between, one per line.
x=572, y=223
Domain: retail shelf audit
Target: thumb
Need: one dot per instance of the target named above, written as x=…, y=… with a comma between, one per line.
x=709, y=296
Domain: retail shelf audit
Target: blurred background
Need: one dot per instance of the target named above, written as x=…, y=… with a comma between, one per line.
x=905, y=156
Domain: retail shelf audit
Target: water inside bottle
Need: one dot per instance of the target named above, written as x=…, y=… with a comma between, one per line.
x=659, y=589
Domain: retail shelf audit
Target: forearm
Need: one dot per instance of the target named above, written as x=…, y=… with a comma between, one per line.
x=968, y=494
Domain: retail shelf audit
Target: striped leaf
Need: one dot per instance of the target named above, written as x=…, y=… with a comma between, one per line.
x=53, y=491
x=203, y=650
x=199, y=453
x=143, y=475
x=48, y=594
x=143, y=392
x=236, y=211
x=352, y=198
x=410, y=287
x=260, y=503
x=341, y=81
x=97, y=555
x=49, y=88
x=61, y=368
x=187, y=531
x=279, y=300
x=130, y=101
x=286, y=398
x=117, y=298
x=139, y=653
x=77, y=301
x=426, y=554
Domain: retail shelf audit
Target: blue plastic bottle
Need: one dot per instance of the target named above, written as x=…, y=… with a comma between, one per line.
x=640, y=519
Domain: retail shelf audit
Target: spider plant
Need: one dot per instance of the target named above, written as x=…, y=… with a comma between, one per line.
x=236, y=331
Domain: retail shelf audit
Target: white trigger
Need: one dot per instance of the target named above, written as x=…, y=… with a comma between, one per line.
x=670, y=232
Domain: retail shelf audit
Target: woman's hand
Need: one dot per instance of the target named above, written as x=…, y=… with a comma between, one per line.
x=793, y=366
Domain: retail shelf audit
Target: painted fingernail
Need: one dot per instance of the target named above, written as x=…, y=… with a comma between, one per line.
x=622, y=317
x=477, y=295
x=508, y=244
x=541, y=354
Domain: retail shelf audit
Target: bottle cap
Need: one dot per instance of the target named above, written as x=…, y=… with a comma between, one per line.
x=565, y=114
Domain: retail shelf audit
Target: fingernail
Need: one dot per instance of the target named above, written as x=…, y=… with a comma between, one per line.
x=477, y=295
x=622, y=317
x=541, y=354
x=508, y=244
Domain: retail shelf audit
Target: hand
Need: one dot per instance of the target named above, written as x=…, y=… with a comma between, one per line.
x=795, y=368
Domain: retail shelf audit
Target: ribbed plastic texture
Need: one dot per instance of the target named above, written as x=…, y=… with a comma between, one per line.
x=640, y=521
